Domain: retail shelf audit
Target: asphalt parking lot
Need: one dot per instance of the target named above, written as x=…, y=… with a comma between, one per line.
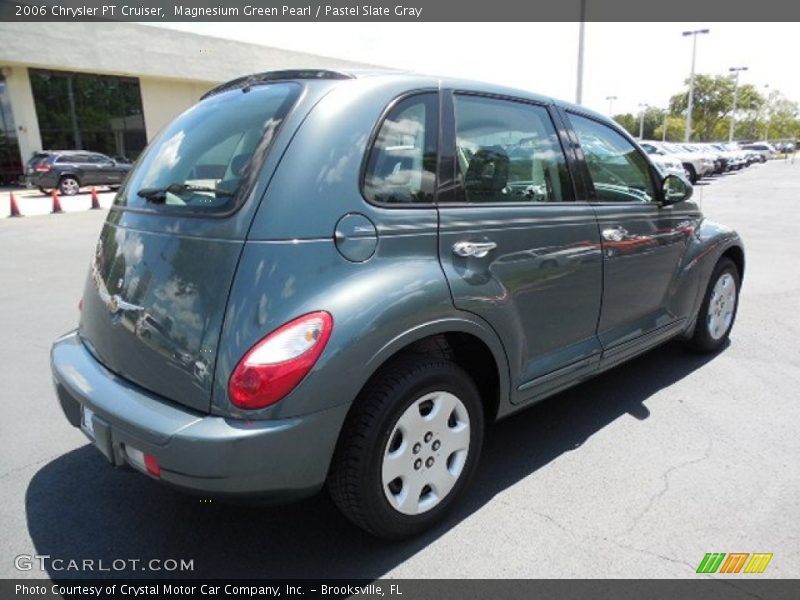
x=637, y=473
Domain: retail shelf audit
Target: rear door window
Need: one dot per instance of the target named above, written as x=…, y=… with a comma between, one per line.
x=207, y=159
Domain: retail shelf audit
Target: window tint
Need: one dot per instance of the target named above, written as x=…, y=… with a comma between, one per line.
x=99, y=159
x=401, y=167
x=73, y=158
x=508, y=152
x=619, y=172
x=203, y=159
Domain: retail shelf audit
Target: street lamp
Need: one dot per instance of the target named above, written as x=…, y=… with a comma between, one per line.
x=766, y=114
x=694, y=35
x=735, y=70
x=611, y=105
x=664, y=126
x=643, y=108
x=581, y=35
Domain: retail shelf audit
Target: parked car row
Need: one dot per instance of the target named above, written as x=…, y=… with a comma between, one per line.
x=70, y=170
x=698, y=160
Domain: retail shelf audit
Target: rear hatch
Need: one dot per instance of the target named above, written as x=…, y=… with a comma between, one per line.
x=38, y=159
x=158, y=285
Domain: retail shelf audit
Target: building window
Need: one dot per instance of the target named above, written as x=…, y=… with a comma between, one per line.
x=10, y=165
x=81, y=111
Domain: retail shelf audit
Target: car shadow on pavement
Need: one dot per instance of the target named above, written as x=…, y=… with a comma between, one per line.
x=79, y=508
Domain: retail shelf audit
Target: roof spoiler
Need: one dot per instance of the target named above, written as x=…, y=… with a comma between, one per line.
x=269, y=76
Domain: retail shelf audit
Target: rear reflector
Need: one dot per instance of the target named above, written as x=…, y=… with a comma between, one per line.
x=143, y=462
x=42, y=168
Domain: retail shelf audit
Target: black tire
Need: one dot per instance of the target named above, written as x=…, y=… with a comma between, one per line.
x=702, y=340
x=692, y=173
x=355, y=483
x=68, y=186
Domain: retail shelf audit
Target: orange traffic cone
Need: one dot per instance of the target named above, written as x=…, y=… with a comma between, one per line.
x=14, y=208
x=95, y=200
x=56, y=204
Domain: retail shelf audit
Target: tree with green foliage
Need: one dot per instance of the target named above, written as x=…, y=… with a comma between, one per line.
x=676, y=125
x=713, y=103
x=653, y=119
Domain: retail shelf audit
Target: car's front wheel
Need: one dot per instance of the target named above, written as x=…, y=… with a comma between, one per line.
x=69, y=186
x=718, y=310
x=409, y=446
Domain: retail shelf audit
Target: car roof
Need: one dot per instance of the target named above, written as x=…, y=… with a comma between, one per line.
x=392, y=75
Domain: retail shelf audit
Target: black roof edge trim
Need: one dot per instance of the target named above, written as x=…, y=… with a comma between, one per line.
x=269, y=76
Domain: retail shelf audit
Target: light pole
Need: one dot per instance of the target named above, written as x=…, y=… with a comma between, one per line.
x=664, y=126
x=581, y=33
x=643, y=108
x=611, y=105
x=735, y=70
x=766, y=114
x=694, y=35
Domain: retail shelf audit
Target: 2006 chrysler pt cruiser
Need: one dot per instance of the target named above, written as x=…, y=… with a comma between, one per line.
x=320, y=278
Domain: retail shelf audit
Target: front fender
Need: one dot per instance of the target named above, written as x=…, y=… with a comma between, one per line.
x=710, y=241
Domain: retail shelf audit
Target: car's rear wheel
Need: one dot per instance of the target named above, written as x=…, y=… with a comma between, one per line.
x=691, y=173
x=69, y=186
x=718, y=310
x=409, y=447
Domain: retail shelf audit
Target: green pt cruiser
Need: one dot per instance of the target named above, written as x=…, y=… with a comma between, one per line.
x=338, y=279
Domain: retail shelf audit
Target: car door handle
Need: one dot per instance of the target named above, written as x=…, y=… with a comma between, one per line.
x=476, y=249
x=615, y=234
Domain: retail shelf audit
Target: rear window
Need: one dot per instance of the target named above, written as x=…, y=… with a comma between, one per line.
x=38, y=159
x=207, y=159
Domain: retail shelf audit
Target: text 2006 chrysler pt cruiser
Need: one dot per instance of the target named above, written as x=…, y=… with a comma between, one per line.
x=315, y=277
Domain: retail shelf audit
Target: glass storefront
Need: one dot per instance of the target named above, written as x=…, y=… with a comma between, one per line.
x=10, y=165
x=101, y=113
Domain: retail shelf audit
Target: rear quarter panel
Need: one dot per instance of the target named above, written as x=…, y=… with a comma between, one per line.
x=290, y=264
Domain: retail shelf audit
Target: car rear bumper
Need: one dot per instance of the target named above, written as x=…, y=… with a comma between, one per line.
x=45, y=180
x=271, y=460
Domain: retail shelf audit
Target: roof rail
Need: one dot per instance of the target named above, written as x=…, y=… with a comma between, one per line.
x=268, y=76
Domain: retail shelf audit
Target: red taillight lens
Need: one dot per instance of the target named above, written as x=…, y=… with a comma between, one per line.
x=42, y=168
x=151, y=464
x=275, y=365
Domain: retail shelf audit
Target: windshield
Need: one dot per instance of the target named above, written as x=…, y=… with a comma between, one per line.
x=207, y=159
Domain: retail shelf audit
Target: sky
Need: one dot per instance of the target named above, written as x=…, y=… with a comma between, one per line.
x=640, y=63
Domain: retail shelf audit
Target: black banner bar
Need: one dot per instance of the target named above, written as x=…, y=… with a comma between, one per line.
x=733, y=588
x=399, y=10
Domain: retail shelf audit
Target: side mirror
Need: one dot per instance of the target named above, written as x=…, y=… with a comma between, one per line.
x=675, y=189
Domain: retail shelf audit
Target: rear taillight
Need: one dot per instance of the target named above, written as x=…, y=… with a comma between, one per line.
x=275, y=365
x=42, y=168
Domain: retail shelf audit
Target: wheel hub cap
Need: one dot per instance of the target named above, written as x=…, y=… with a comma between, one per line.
x=426, y=453
x=721, y=306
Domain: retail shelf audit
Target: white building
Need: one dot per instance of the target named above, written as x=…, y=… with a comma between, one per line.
x=110, y=87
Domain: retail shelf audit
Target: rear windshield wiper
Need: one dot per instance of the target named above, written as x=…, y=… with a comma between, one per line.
x=159, y=194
